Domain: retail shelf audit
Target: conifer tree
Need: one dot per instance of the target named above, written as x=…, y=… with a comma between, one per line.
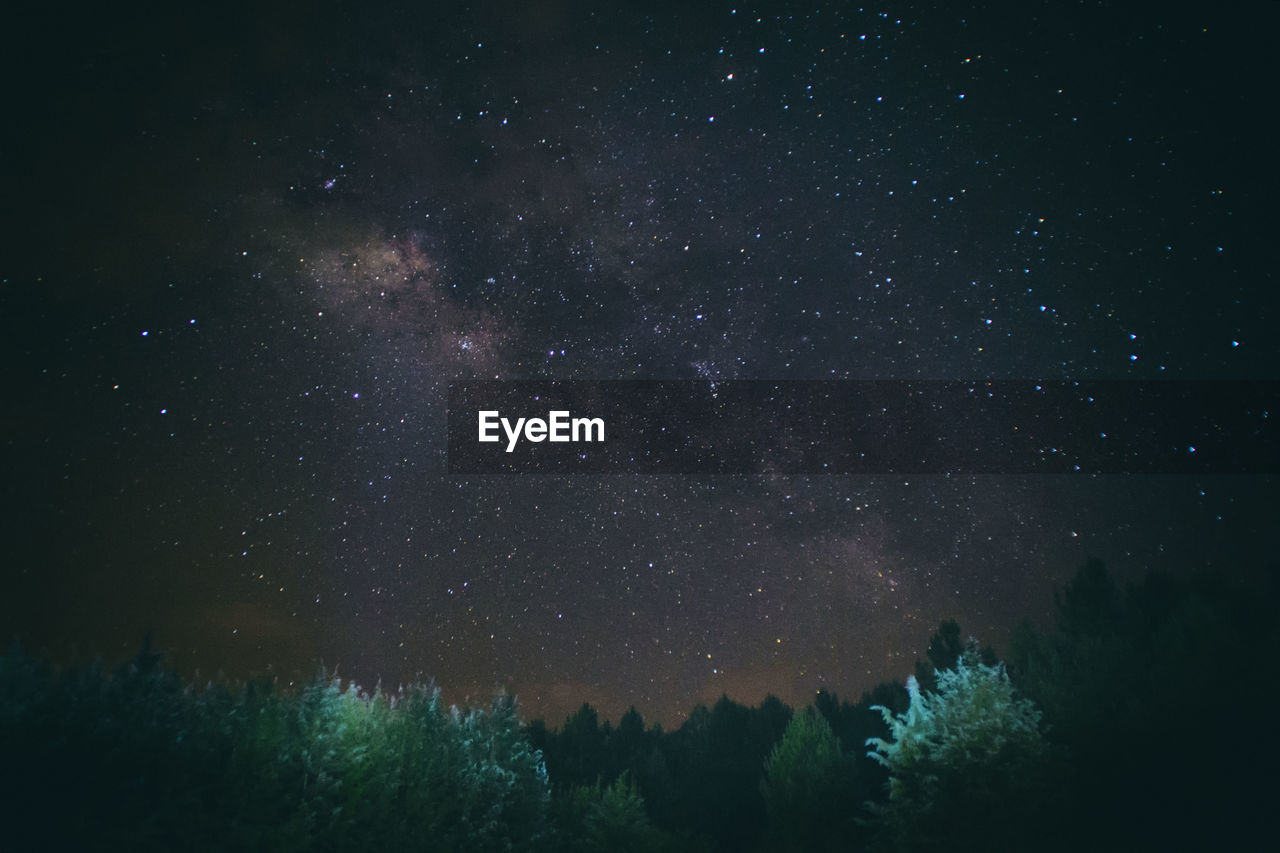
x=807, y=786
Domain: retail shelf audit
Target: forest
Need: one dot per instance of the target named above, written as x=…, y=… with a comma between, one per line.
x=1143, y=718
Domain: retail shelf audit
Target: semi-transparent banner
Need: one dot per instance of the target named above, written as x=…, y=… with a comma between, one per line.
x=863, y=427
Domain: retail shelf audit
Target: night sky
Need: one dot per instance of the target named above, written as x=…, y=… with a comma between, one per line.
x=245, y=252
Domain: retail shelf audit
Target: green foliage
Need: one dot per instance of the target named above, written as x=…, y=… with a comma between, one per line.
x=138, y=760
x=960, y=756
x=716, y=759
x=142, y=762
x=699, y=782
x=804, y=764
x=807, y=786
x=606, y=818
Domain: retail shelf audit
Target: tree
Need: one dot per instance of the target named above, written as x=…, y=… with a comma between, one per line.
x=582, y=747
x=945, y=648
x=1090, y=604
x=967, y=756
x=599, y=818
x=140, y=761
x=1129, y=677
x=807, y=786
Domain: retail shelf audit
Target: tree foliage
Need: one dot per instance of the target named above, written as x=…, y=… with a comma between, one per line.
x=1127, y=680
x=807, y=785
x=606, y=819
x=968, y=750
x=1130, y=677
x=147, y=763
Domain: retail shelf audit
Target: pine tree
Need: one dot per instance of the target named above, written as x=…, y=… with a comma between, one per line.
x=807, y=786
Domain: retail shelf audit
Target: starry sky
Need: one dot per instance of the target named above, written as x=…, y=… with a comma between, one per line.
x=246, y=251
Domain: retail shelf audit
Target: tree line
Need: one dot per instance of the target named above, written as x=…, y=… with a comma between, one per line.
x=1143, y=719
